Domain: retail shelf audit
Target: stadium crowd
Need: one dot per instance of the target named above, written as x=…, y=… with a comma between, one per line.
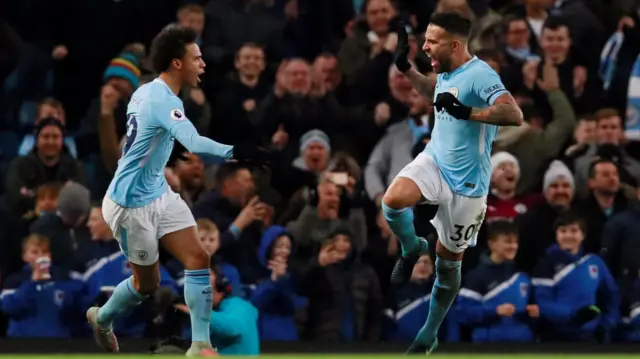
x=304, y=241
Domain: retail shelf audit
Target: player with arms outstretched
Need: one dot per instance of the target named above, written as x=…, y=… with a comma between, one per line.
x=454, y=170
x=142, y=210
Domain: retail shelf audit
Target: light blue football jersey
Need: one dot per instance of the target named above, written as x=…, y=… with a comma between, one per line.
x=462, y=149
x=155, y=117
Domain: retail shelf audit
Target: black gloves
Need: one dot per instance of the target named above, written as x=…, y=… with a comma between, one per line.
x=450, y=103
x=252, y=154
x=401, y=55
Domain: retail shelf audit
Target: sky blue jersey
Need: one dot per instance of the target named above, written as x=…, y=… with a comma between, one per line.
x=462, y=149
x=155, y=117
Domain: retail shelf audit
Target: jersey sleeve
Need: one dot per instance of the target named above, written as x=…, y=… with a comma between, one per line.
x=488, y=85
x=170, y=116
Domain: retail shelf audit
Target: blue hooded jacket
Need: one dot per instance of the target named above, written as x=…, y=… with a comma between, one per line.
x=487, y=287
x=563, y=283
x=107, y=273
x=50, y=308
x=233, y=327
x=276, y=301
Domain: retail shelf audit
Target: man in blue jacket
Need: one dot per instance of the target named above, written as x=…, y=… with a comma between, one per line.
x=578, y=298
x=494, y=300
x=42, y=301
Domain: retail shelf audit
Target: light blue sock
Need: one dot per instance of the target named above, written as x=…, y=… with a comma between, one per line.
x=445, y=290
x=401, y=223
x=197, y=295
x=124, y=297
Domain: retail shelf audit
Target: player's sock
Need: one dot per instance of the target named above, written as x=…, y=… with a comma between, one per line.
x=197, y=295
x=124, y=297
x=401, y=223
x=445, y=290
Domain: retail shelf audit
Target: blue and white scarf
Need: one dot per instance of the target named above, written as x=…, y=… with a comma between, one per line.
x=632, y=118
x=609, y=58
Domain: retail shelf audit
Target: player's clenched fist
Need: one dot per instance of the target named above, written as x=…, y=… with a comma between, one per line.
x=401, y=55
x=252, y=154
x=452, y=105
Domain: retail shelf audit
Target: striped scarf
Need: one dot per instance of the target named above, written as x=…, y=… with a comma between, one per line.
x=632, y=119
x=609, y=57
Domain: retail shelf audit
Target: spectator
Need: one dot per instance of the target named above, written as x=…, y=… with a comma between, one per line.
x=381, y=254
x=234, y=321
x=620, y=247
x=494, y=300
x=605, y=200
x=411, y=305
x=371, y=41
x=192, y=16
x=610, y=136
x=102, y=243
x=321, y=217
x=102, y=278
x=210, y=238
x=536, y=227
x=242, y=92
x=74, y=205
x=237, y=211
x=578, y=298
x=584, y=136
x=535, y=146
x=295, y=107
x=352, y=313
x=275, y=295
x=502, y=202
x=190, y=171
x=48, y=108
x=520, y=45
x=42, y=300
x=631, y=327
x=394, y=150
x=326, y=70
x=46, y=163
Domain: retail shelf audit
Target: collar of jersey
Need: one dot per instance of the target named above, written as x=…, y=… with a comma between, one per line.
x=461, y=67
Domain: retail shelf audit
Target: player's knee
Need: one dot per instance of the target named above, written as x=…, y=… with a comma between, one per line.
x=403, y=193
x=199, y=260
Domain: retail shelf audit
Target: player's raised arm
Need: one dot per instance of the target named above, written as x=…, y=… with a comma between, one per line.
x=174, y=121
x=424, y=84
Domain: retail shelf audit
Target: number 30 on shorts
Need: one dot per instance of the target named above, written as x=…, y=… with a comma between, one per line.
x=464, y=232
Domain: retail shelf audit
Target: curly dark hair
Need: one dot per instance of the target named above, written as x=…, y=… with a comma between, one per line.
x=170, y=44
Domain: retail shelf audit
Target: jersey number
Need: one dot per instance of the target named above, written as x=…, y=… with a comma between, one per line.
x=461, y=231
x=132, y=131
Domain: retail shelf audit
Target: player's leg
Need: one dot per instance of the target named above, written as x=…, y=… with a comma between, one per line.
x=136, y=234
x=457, y=224
x=417, y=181
x=180, y=238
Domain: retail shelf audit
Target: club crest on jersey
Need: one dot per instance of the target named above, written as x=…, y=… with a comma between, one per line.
x=177, y=115
x=524, y=289
x=454, y=91
x=593, y=271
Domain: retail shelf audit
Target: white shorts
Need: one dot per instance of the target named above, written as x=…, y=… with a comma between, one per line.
x=138, y=230
x=459, y=218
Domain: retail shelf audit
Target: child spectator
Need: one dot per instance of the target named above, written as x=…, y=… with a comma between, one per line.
x=41, y=300
x=578, y=298
x=412, y=306
x=102, y=279
x=494, y=300
x=275, y=295
x=210, y=238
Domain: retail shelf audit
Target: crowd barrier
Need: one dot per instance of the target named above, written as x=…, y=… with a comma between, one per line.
x=77, y=346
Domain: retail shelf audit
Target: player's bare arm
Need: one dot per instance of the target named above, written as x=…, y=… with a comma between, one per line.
x=504, y=112
x=424, y=84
